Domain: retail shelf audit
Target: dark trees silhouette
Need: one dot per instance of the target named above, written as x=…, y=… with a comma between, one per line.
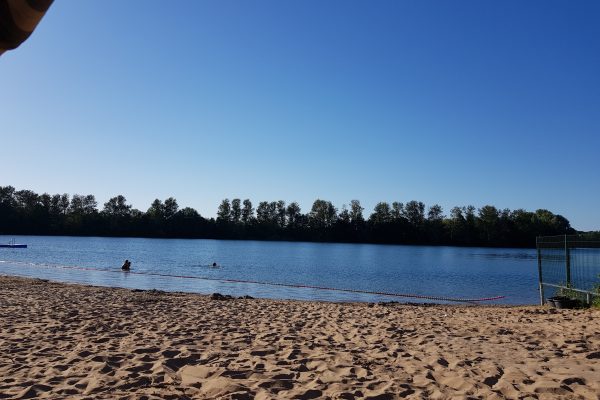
x=26, y=212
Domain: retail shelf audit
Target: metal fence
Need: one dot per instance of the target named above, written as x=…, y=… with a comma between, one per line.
x=569, y=264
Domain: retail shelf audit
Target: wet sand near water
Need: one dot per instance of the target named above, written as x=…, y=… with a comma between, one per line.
x=81, y=342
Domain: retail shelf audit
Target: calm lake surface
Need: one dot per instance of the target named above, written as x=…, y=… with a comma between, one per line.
x=425, y=270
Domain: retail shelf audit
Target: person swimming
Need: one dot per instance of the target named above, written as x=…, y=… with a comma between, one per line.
x=214, y=264
x=126, y=265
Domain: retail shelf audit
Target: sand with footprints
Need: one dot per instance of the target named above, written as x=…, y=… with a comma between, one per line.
x=72, y=341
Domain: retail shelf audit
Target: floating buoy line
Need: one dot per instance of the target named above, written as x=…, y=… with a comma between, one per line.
x=278, y=284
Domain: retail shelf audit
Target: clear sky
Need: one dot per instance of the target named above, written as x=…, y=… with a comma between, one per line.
x=449, y=102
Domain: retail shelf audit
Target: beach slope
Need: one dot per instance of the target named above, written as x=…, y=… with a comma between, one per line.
x=71, y=341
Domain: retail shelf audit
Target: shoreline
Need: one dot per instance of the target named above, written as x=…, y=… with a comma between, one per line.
x=83, y=341
x=429, y=300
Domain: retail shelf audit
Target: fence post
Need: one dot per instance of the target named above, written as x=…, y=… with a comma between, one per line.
x=568, y=262
x=588, y=298
x=539, y=257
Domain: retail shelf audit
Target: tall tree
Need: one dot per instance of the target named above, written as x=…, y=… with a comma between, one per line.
x=272, y=212
x=171, y=207
x=236, y=210
x=76, y=205
x=64, y=203
x=156, y=210
x=435, y=224
x=59, y=204
x=344, y=215
x=247, y=212
x=456, y=223
x=415, y=212
x=397, y=210
x=262, y=212
x=356, y=212
x=293, y=212
x=27, y=200
x=381, y=213
x=435, y=213
x=488, y=221
x=189, y=213
x=46, y=202
x=551, y=224
x=77, y=220
x=117, y=206
x=322, y=214
x=7, y=196
x=80, y=204
x=90, y=205
x=224, y=212
x=281, y=213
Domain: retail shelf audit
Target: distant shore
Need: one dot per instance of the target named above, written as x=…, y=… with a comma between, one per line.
x=28, y=213
x=529, y=245
x=61, y=340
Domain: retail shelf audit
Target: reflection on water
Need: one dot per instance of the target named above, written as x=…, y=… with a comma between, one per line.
x=423, y=270
x=516, y=255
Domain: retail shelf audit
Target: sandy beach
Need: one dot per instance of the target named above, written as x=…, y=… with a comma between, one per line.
x=79, y=342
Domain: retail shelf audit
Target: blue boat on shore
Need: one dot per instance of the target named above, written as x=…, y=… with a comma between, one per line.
x=13, y=245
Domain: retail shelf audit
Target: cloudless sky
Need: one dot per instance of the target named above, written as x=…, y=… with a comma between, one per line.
x=456, y=103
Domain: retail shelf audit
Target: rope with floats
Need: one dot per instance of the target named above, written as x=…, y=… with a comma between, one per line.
x=290, y=285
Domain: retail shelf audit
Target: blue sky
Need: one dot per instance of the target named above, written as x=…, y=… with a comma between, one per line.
x=456, y=103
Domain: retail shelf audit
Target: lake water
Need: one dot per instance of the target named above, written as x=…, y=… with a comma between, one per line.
x=425, y=270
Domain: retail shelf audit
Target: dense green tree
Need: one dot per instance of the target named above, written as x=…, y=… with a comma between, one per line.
x=155, y=218
x=344, y=215
x=136, y=214
x=488, y=222
x=381, y=214
x=117, y=217
x=550, y=223
x=156, y=210
x=76, y=206
x=293, y=212
x=236, y=211
x=273, y=218
x=27, y=200
x=397, y=211
x=456, y=224
x=280, y=213
x=415, y=213
x=59, y=204
x=247, y=212
x=80, y=215
x=435, y=224
x=117, y=206
x=90, y=205
x=189, y=223
x=46, y=202
x=322, y=214
x=262, y=213
x=471, y=235
x=356, y=212
x=171, y=207
x=80, y=204
x=224, y=212
x=188, y=213
x=435, y=213
x=7, y=196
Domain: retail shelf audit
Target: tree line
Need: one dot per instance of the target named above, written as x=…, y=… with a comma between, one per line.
x=26, y=212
